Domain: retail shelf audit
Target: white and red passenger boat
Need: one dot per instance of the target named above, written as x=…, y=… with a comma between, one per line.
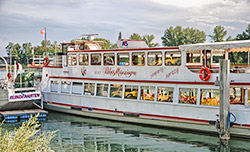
x=165, y=86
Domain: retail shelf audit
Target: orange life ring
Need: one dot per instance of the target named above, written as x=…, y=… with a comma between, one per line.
x=9, y=75
x=204, y=74
x=46, y=61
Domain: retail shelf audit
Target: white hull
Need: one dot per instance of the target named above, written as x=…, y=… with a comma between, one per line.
x=91, y=107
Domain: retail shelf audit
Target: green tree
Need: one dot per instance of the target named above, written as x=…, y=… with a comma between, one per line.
x=193, y=36
x=27, y=137
x=16, y=51
x=120, y=36
x=218, y=34
x=179, y=36
x=245, y=34
x=136, y=36
x=148, y=40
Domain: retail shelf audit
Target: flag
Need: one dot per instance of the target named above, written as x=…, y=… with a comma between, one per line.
x=43, y=34
x=19, y=68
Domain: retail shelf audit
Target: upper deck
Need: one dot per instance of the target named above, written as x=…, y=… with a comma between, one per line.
x=167, y=64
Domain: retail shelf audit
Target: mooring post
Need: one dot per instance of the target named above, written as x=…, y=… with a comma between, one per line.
x=224, y=100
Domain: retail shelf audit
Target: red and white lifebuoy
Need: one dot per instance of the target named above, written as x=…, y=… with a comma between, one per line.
x=46, y=61
x=204, y=74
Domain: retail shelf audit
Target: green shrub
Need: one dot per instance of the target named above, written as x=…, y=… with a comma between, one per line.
x=27, y=138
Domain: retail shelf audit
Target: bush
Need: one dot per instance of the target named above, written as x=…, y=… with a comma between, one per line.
x=27, y=137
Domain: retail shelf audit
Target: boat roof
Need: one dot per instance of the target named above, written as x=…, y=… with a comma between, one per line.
x=231, y=46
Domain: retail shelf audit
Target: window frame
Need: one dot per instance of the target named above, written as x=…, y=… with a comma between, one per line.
x=155, y=57
x=119, y=58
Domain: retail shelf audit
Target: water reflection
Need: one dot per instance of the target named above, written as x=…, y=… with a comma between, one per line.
x=79, y=134
x=85, y=134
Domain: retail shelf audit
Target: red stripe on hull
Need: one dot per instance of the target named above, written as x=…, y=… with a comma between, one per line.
x=143, y=114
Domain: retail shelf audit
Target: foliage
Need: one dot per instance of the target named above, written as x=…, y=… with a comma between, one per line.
x=148, y=40
x=120, y=35
x=26, y=138
x=179, y=36
x=218, y=34
x=245, y=34
x=136, y=36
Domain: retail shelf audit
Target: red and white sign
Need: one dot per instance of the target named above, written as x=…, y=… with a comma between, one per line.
x=25, y=97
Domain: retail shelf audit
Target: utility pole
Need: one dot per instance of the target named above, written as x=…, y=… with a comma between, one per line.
x=45, y=41
x=224, y=100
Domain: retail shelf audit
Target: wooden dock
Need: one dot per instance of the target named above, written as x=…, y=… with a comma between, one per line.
x=15, y=115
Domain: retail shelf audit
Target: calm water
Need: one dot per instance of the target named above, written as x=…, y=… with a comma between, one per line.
x=79, y=134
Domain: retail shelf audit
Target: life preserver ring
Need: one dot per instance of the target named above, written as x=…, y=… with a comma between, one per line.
x=204, y=74
x=46, y=61
x=9, y=75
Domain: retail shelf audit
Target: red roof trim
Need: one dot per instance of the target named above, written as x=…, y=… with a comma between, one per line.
x=129, y=80
x=146, y=81
x=116, y=50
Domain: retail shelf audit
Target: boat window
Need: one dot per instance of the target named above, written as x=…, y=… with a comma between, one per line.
x=210, y=97
x=237, y=96
x=172, y=58
x=165, y=94
x=77, y=88
x=109, y=59
x=83, y=59
x=116, y=90
x=65, y=86
x=188, y=95
x=89, y=89
x=193, y=56
x=54, y=86
x=138, y=58
x=147, y=93
x=131, y=91
x=102, y=89
x=154, y=58
x=72, y=59
x=248, y=100
x=96, y=59
x=217, y=55
x=123, y=59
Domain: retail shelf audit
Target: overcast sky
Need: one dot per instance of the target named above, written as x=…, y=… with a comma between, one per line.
x=22, y=20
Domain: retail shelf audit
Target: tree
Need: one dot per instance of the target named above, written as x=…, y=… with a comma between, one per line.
x=120, y=36
x=218, y=34
x=148, y=40
x=27, y=137
x=135, y=36
x=179, y=36
x=16, y=51
x=245, y=34
x=193, y=36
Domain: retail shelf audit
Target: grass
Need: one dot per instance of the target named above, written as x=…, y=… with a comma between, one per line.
x=27, y=138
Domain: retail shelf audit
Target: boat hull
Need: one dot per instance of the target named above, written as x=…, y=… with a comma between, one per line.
x=88, y=109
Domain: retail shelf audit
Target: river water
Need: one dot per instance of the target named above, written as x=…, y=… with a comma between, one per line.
x=80, y=134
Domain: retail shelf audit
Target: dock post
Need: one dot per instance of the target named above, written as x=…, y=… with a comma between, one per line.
x=224, y=100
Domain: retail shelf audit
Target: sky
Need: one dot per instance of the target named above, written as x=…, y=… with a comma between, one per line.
x=22, y=20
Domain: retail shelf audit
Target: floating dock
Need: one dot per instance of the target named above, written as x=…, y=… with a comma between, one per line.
x=19, y=115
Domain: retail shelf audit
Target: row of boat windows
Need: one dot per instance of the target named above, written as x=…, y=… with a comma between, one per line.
x=148, y=93
x=123, y=59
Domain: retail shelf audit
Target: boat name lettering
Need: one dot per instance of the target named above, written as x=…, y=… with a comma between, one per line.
x=83, y=71
x=24, y=96
x=157, y=72
x=173, y=72
x=119, y=72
